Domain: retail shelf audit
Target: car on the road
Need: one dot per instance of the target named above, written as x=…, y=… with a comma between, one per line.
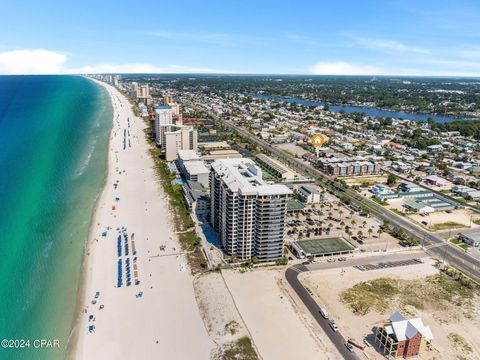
x=342, y=259
x=424, y=223
x=333, y=326
x=324, y=313
x=349, y=346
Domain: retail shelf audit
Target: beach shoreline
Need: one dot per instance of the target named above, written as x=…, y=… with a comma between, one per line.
x=73, y=337
x=145, y=317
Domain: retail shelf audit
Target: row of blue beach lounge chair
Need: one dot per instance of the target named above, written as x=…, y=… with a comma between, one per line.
x=119, y=245
x=129, y=275
x=119, y=279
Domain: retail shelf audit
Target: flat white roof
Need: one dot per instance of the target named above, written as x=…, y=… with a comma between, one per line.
x=195, y=167
x=243, y=176
x=188, y=155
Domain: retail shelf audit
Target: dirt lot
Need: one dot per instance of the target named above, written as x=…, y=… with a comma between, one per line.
x=366, y=181
x=292, y=148
x=271, y=316
x=443, y=221
x=454, y=323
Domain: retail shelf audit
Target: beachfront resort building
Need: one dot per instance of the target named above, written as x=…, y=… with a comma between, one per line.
x=248, y=213
x=170, y=136
x=192, y=167
x=163, y=116
x=400, y=337
x=168, y=101
x=179, y=137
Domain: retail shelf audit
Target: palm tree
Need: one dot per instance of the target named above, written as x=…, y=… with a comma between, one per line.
x=359, y=233
x=379, y=232
x=364, y=223
x=370, y=231
x=354, y=222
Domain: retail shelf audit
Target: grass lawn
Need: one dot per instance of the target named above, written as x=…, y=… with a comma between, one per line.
x=455, y=241
x=379, y=202
x=398, y=212
x=459, y=243
x=446, y=226
x=241, y=349
x=382, y=293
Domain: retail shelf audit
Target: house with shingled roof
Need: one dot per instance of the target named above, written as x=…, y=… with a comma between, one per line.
x=400, y=337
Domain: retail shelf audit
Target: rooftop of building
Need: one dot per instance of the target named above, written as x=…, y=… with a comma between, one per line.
x=243, y=176
x=195, y=167
x=214, y=145
x=162, y=107
x=403, y=329
x=309, y=190
x=278, y=166
x=473, y=236
x=188, y=155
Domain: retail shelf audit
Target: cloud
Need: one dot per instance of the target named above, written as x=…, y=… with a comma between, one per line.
x=41, y=61
x=38, y=61
x=392, y=45
x=345, y=68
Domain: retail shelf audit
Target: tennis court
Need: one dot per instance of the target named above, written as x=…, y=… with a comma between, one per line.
x=323, y=246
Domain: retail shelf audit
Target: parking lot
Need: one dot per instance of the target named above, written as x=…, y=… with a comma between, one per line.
x=332, y=218
x=388, y=264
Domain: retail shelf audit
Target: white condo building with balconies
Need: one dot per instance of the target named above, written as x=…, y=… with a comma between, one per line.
x=248, y=213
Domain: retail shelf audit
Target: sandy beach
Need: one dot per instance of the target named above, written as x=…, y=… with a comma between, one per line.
x=153, y=313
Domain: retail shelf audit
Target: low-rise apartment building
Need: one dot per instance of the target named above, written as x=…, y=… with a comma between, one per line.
x=336, y=167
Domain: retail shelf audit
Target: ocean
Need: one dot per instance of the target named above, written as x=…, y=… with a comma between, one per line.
x=54, y=134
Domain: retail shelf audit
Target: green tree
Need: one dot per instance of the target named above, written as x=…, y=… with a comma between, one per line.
x=392, y=179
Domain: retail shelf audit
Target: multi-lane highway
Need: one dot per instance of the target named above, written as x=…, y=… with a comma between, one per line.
x=434, y=245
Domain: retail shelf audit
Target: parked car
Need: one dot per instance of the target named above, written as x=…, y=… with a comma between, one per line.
x=324, y=313
x=349, y=346
x=333, y=326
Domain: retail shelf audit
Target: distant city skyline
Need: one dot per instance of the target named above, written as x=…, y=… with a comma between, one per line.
x=420, y=38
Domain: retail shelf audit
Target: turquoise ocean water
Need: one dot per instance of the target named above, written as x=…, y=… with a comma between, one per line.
x=53, y=148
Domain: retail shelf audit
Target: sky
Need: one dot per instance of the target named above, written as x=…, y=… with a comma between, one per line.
x=342, y=37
